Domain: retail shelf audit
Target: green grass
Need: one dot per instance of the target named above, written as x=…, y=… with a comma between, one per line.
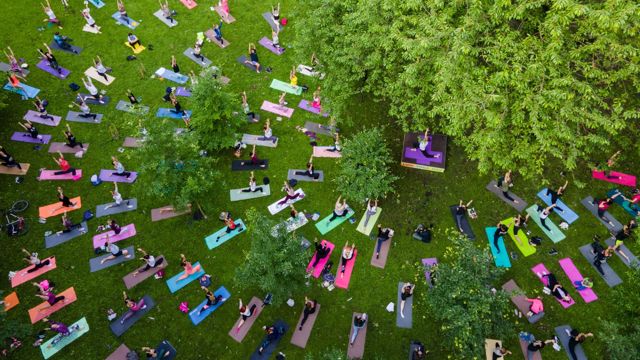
x=422, y=197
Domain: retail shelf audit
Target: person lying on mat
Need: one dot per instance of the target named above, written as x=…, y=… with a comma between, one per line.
x=461, y=210
x=188, y=268
x=423, y=233
x=252, y=185
x=32, y=258
x=268, y=133
x=92, y=89
x=536, y=345
x=576, y=338
x=348, y=251
x=407, y=292
x=123, y=12
x=504, y=184
x=535, y=306
x=322, y=250
x=384, y=234
x=501, y=230
x=65, y=167
x=310, y=172
x=70, y=138
x=309, y=308
x=340, y=209
x=544, y=213
x=212, y=300
x=601, y=254
x=150, y=262
x=603, y=206
x=132, y=305
x=85, y=111
x=31, y=130
x=245, y=313
x=205, y=281
x=44, y=286
x=358, y=323
x=51, y=298
x=7, y=160
x=273, y=333
x=499, y=352
x=63, y=42
x=608, y=165
x=423, y=144
x=133, y=41
x=69, y=226
x=65, y=202
x=114, y=250
x=253, y=58
x=41, y=108
x=254, y=159
x=166, y=11
x=556, y=289
x=117, y=165
x=520, y=223
x=556, y=195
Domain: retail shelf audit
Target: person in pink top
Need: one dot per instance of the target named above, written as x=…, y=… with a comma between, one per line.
x=224, y=6
x=536, y=306
x=133, y=306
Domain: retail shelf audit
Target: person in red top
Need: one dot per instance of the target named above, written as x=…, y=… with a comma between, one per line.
x=634, y=202
x=65, y=168
x=603, y=206
x=14, y=80
x=231, y=226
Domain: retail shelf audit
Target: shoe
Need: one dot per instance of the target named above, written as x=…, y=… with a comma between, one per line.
x=553, y=252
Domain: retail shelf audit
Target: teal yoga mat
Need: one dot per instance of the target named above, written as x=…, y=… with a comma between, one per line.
x=502, y=258
x=555, y=234
x=324, y=226
x=213, y=241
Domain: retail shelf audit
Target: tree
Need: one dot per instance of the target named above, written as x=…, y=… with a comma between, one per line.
x=215, y=112
x=463, y=302
x=364, y=167
x=275, y=264
x=623, y=338
x=516, y=84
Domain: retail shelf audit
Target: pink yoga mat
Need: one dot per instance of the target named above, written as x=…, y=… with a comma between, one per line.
x=322, y=262
x=301, y=337
x=132, y=142
x=588, y=295
x=381, y=261
x=321, y=151
x=244, y=329
x=276, y=109
x=49, y=175
x=343, y=281
x=540, y=268
x=305, y=105
x=99, y=240
x=190, y=4
x=23, y=276
x=627, y=180
x=107, y=175
x=34, y=117
x=157, y=214
x=26, y=137
x=63, y=148
x=120, y=353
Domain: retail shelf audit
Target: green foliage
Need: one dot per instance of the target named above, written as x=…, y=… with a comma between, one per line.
x=462, y=300
x=623, y=338
x=516, y=83
x=364, y=167
x=215, y=112
x=274, y=264
x=328, y=354
x=12, y=327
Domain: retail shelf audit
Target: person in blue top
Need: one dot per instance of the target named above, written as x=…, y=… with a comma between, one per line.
x=63, y=42
x=217, y=30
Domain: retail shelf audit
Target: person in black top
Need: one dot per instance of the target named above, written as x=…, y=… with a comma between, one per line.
x=423, y=233
x=576, y=338
x=71, y=139
x=253, y=58
x=501, y=230
x=31, y=130
x=536, y=345
x=309, y=308
x=7, y=160
x=555, y=195
x=322, y=250
x=461, y=210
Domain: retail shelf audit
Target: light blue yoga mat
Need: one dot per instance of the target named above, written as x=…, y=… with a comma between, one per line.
x=501, y=259
x=167, y=113
x=212, y=240
x=175, y=285
x=28, y=91
x=197, y=317
x=97, y=3
x=567, y=215
x=49, y=350
x=131, y=25
x=324, y=226
x=283, y=86
x=555, y=234
x=172, y=76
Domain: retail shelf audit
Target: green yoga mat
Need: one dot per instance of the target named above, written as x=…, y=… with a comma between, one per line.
x=237, y=195
x=371, y=224
x=526, y=249
x=49, y=350
x=555, y=235
x=324, y=226
x=288, y=88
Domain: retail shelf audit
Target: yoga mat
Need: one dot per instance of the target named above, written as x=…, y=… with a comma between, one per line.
x=588, y=295
x=75, y=117
x=464, y=223
x=136, y=50
x=174, y=284
x=356, y=351
x=119, y=328
x=55, y=239
x=79, y=327
x=305, y=105
x=255, y=140
x=126, y=206
x=14, y=170
x=318, y=269
x=493, y=187
x=166, y=348
x=97, y=3
x=371, y=224
x=211, y=36
x=290, y=224
x=489, y=346
x=74, y=49
x=408, y=310
x=626, y=204
x=132, y=142
x=24, y=90
x=34, y=117
x=63, y=148
x=171, y=76
x=107, y=175
x=418, y=156
x=11, y=301
x=120, y=353
x=166, y=21
x=131, y=25
x=500, y=255
x=127, y=231
x=7, y=68
x=301, y=337
x=244, y=165
x=182, y=91
x=22, y=276
x=93, y=73
x=26, y=137
x=633, y=260
x=308, y=71
x=189, y=53
x=167, y=113
x=276, y=109
x=540, y=268
x=157, y=214
x=242, y=60
x=228, y=19
x=44, y=65
x=343, y=281
x=190, y=4
x=555, y=234
x=381, y=261
x=285, y=87
x=246, y=326
x=561, y=332
x=50, y=175
x=275, y=208
x=428, y=263
x=567, y=215
x=526, y=249
x=269, y=46
x=131, y=281
x=610, y=277
x=520, y=301
x=324, y=226
x=90, y=100
x=45, y=211
x=267, y=16
x=627, y=180
x=588, y=203
x=90, y=29
x=238, y=195
x=320, y=129
x=524, y=347
x=221, y=236
x=266, y=353
x=323, y=152
x=197, y=317
x=94, y=264
x=291, y=174
x=43, y=309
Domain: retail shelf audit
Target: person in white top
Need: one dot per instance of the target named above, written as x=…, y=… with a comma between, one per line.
x=117, y=198
x=84, y=108
x=92, y=89
x=100, y=68
x=51, y=16
x=86, y=14
x=340, y=209
x=268, y=133
x=544, y=214
x=252, y=185
x=275, y=40
x=347, y=254
x=372, y=209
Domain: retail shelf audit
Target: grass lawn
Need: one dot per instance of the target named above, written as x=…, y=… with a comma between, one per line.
x=422, y=197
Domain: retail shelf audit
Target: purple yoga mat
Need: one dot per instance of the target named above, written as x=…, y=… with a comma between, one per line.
x=26, y=137
x=269, y=45
x=34, y=117
x=276, y=109
x=181, y=91
x=420, y=158
x=63, y=148
x=44, y=65
x=49, y=175
x=305, y=105
x=107, y=175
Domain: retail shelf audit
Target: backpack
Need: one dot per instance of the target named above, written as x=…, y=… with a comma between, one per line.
x=132, y=355
x=293, y=182
x=265, y=180
x=536, y=241
x=74, y=87
x=88, y=215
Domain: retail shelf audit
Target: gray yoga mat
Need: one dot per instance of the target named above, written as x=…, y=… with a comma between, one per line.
x=292, y=175
x=161, y=17
x=633, y=260
x=130, y=281
x=266, y=353
x=520, y=206
x=189, y=53
x=320, y=129
x=75, y=117
x=464, y=223
x=561, y=332
x=94, y=264
x=7, y=68
x=127, y=107
x=242, y=60
x=54, y=45
x=520, y=300
x=267, y=16
x=301, y=337
x=63, y=148
x=124, y=207
x=408, y=310
x=588, y=203
x=255, y=140
x=90, y=100
x=610, y=277
x=120, y=328
x=55, y=239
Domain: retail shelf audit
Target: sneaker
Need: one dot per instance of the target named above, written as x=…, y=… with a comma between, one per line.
x=553, y=251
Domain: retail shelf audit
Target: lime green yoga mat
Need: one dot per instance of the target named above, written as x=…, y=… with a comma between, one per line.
x=555, y=234
x=371, y=224
x=49, y=350
x=288, y=88
x=526, y=249
x=324, y=226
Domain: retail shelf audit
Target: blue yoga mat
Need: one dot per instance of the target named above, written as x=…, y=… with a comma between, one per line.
x=211, y=239
x=175, y=285
x=131, y=25
x=567, y=215
x=29, y=91
x=97, y=3
x=501, y=259
x=197, y=318
x=167, y=113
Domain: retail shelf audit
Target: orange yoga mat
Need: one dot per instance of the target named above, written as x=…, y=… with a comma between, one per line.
x=11, y=301
x=45, y=211
x=43, y=310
